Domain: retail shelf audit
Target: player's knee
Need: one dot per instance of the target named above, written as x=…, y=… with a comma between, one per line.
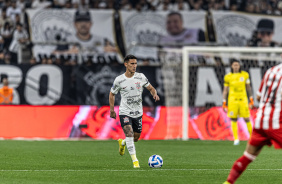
x=129, y=134
x=136, y=139
x=247, y=119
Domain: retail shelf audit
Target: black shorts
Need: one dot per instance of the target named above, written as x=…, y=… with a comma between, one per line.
x=136, y=123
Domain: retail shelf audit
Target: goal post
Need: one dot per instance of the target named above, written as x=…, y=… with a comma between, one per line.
x=186, y=51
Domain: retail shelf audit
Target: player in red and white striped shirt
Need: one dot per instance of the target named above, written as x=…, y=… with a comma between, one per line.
x=268, y=123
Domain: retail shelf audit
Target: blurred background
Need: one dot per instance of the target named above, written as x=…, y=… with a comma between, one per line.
x=59, y=58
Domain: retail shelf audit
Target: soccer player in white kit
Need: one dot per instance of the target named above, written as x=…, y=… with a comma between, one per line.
x=130, y=85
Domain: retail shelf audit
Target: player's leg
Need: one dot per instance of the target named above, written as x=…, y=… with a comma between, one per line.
x=249, y=125
x=233, y=110
x=241, y=164
x=121, y=144
x=136, y=136
x=234, y=128
x=137, y=127
x=124, y=121
x=258, y=139
x=244, y=112
x=128, y=131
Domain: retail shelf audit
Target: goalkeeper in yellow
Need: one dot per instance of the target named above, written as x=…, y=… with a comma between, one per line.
x=237, y=85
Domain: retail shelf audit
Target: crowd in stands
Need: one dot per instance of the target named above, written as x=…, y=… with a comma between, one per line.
x=14, y=33
x=271, y=7
x=15, y=7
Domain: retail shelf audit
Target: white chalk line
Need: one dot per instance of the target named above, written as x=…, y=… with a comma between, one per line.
x=124, y=170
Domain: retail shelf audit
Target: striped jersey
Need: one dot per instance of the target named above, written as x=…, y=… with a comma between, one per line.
x=269, y=115
x=131, y=90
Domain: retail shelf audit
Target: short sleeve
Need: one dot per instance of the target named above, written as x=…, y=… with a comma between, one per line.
x=226, y=80
x=247, y=78
x=145, y=81
x=115, y=88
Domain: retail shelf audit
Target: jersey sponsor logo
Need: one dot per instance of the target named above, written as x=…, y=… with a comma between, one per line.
x=133, y=96
x=132, y=88
x=140, y=78
x=134, y=113
x=122, y=81
x=126, y=120
x=132, y=101
x=138, y=86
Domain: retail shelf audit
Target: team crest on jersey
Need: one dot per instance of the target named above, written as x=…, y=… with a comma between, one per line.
x=138, y=86
x=126, y=120
x=231, y=113
x=241, y=79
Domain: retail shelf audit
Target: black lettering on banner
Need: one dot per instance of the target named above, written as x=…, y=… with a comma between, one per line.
x=54, y=86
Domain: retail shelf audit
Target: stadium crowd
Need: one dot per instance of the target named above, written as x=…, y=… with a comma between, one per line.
x=272, y=7
x=14, y=32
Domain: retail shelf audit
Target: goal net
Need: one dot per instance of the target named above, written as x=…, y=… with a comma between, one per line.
x=193, y=83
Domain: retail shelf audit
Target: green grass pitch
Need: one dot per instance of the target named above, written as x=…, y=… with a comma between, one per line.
x=83, y=162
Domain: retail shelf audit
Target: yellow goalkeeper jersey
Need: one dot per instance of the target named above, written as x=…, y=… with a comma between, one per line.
x=237, y=84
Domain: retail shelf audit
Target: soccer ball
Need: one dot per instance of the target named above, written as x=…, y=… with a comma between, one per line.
x=155, y=161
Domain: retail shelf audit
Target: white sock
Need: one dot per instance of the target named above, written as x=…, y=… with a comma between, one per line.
x=123, y=142
x=131, y=147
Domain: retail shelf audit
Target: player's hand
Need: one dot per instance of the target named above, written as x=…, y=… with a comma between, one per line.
x=113, y=114
x=251, y=104
x=156, y=97
x=224, y=106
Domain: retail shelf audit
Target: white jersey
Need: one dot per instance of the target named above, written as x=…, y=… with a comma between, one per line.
x=188, y=36
x=94, y=45
x=131, y=93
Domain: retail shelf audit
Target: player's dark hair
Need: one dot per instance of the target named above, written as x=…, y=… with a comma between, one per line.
x=233, y=60
x=128, y=57
x=175, y=13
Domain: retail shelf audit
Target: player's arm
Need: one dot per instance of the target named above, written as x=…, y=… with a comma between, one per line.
x=153, y=92
x=112, y=105
x=250, y=93
x=224, y=95
x=258, y=97
x=225, y=92
x=259, y=92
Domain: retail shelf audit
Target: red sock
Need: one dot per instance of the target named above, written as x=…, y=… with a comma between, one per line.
x=239, y=166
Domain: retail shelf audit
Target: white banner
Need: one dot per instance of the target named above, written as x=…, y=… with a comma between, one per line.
x=238, y=29
x=91, y=31
x=160, y=28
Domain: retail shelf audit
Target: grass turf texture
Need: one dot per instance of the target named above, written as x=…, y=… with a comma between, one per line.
x=67, y=162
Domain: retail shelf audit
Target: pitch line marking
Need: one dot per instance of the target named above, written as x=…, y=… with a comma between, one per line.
x=135, y=170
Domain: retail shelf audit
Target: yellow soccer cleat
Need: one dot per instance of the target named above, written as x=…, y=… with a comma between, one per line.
x=226, y=182
x=121, y=147
x=136, y=164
